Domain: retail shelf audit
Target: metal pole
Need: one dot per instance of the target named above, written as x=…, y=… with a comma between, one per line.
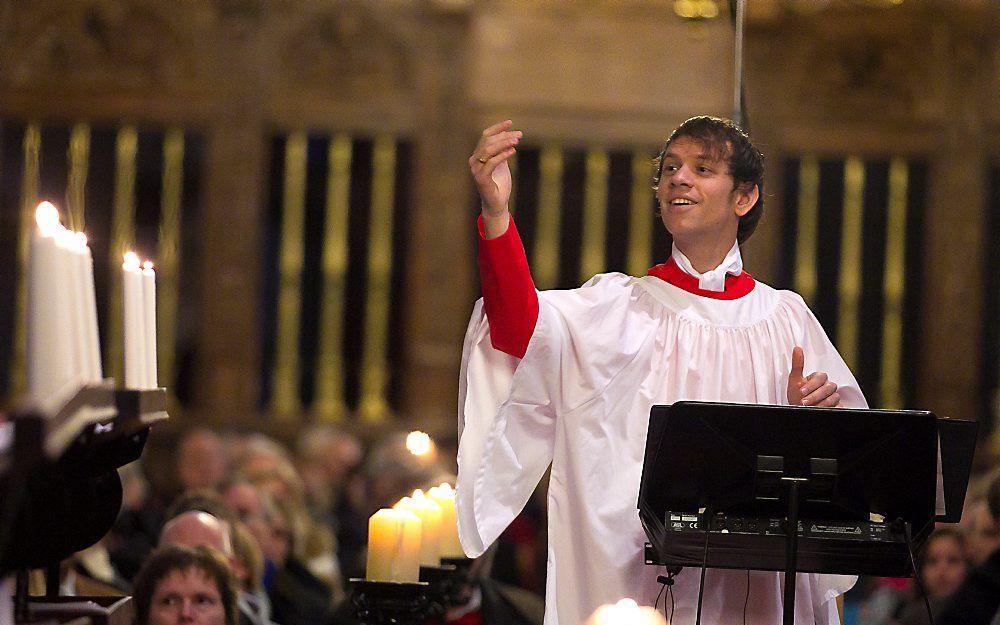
x=739, y=27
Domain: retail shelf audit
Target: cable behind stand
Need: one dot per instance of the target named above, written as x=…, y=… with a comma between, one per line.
x=913, y=561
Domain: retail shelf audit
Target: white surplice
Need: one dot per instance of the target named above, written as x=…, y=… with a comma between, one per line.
x=599, y=357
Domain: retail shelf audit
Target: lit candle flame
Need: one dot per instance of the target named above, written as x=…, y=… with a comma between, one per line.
x=131, y=262
x=47, y=218
x=419, y=443
x=81, y=239
x=147, y=266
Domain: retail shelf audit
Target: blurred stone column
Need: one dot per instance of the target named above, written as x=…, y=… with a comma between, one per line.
x=228, y=362
x=954, y=228
x=441, y=261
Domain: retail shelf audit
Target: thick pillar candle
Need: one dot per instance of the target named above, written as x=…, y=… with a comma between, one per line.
x=626, y=612
x=429, y=514
x=444, y=496
x=393, y=546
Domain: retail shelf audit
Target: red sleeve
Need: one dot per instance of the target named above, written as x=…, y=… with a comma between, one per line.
x=509, y=296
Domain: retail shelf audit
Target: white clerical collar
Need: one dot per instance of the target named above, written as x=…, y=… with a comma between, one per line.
x=714, y=280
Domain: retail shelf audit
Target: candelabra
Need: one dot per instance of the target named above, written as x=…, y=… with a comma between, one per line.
x=59, y=486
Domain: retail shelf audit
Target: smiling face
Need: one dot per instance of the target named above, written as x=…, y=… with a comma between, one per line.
x=698, y=203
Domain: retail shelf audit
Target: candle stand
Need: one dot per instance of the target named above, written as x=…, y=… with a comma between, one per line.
x=60, y=491
x=390, y=603
x=440, y=588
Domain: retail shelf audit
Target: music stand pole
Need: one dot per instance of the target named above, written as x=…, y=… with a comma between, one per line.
x=791, y=547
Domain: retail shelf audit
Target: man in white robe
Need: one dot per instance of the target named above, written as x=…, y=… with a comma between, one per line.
x=567, y=378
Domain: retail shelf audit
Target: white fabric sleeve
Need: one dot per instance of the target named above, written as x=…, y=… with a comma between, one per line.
x=508, y=407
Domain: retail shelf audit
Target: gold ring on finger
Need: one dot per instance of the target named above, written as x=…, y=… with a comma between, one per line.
x=481, y=159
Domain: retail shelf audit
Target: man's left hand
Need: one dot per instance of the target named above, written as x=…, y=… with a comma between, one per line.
x=816, y=389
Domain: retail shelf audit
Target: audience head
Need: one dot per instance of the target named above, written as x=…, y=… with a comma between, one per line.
x=984, y=534
x=326, y=457
x=198, y=529
x=942, y=564
x=201, y=460
x=180, y=586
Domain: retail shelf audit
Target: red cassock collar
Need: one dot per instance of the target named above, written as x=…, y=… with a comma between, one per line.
x=736, y=286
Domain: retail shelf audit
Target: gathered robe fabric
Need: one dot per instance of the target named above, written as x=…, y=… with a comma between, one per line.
x=598, y=358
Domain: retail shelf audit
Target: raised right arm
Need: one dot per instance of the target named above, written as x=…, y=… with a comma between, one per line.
x=509, y=296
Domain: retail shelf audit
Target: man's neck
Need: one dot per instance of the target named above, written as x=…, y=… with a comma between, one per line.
x=705, y=256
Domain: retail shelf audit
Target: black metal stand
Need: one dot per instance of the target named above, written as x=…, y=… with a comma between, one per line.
x=791, y=547
x=440, y=588
x=61, y=492
x=390, y=603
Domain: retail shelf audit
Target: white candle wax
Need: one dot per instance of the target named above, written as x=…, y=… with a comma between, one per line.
x=429, y=513
x=95, y=372
x=393, y=546
x=76, y=265
x=50, y=361
x=134, y=340
x=444, y=496
x=149, y=321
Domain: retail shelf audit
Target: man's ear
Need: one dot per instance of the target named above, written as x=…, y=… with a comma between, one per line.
x=746, y=198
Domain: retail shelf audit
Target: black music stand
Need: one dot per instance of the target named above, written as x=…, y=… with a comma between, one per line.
x=792, y=462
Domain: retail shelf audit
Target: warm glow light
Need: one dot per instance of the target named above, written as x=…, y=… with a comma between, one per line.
x=131, y=262
x=47, y=218
x=81, y=239
x=625, y=612
x=419, y=443
x=147, y=266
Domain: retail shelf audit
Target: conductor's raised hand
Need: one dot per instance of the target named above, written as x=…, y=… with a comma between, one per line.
x=491, y=172
x=816, y=389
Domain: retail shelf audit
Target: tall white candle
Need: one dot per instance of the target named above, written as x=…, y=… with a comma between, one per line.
x=71, y=246
x=93, y=340
x=50, y=361
x=149, y=321
x=134, y=339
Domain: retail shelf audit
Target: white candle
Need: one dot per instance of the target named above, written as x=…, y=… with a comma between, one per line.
x=76, y=265
x=95, y=372
x=429, y=513
x=135, y=341
x=393, y=546
x=149, y=321
x=444, y=496
x=625, y=612
x=50, y=361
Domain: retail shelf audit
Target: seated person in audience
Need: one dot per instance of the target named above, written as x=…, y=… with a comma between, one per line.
x=178, y=585
x=943, y=568
x=201, y=460
x=195, y=529
x=977, y=599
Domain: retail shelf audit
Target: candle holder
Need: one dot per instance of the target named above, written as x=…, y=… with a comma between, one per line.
x=440, y=587
x=390, y=603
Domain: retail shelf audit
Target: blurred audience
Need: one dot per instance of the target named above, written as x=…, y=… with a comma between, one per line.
x=201, y=460
x=943, y=568
x=977, y=600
